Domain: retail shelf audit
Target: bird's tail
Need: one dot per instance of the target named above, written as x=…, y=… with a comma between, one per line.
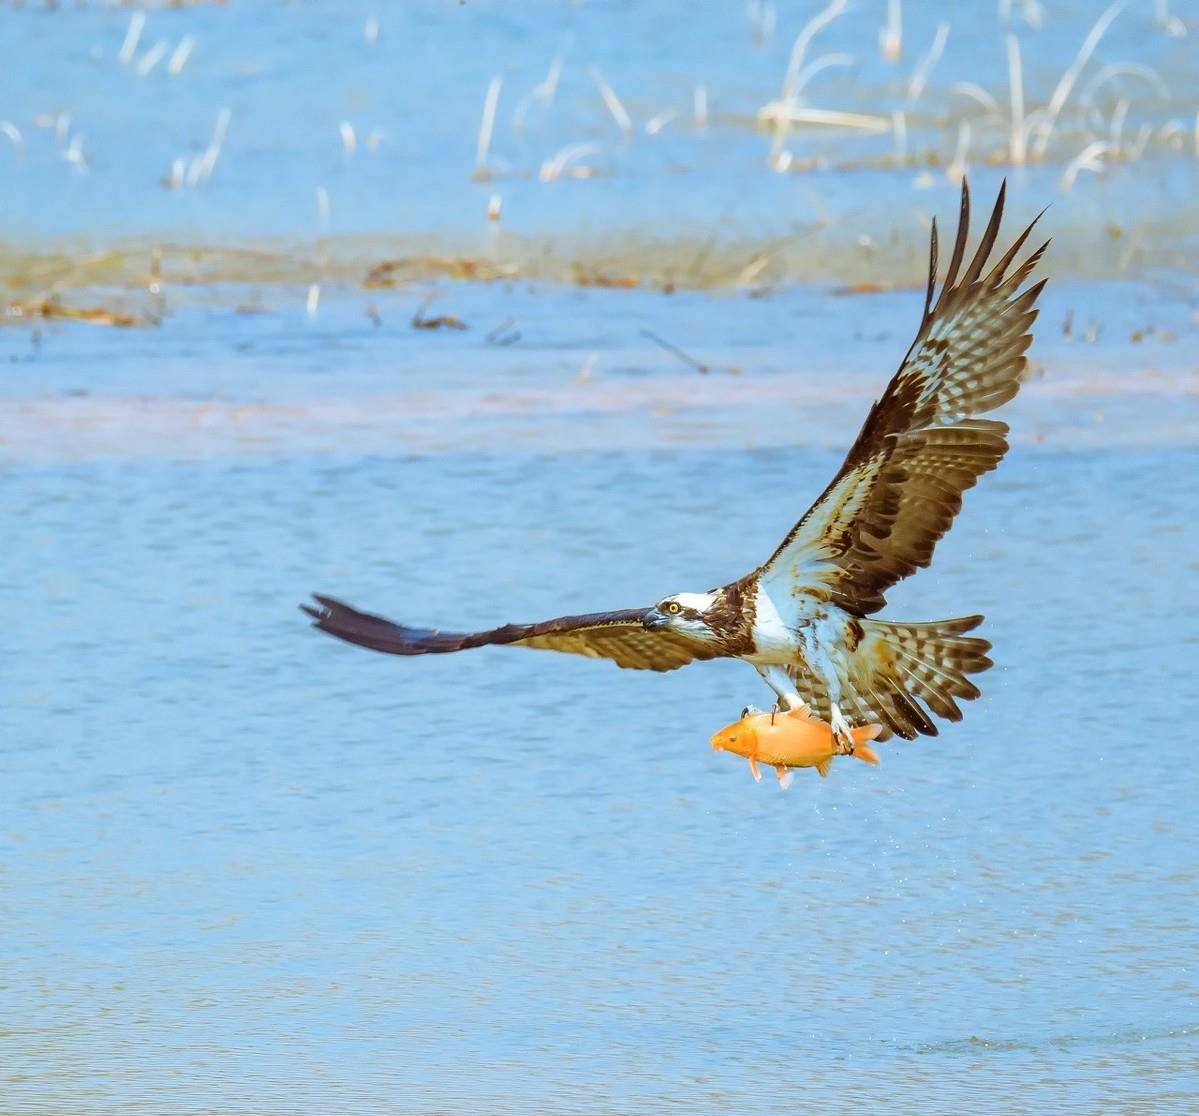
x=923, y=665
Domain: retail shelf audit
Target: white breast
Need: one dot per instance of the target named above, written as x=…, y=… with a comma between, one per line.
x=775, y=630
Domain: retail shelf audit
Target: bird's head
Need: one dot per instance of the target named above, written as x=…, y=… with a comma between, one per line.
x=686, y=613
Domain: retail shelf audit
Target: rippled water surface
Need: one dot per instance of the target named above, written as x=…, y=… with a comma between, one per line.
x=247, y=869
x=250, y=869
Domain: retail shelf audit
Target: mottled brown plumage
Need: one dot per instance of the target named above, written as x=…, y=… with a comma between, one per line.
x=620, y=636
x=895, y=669
x=803, y=618
x=921, y=447
x=731, y=618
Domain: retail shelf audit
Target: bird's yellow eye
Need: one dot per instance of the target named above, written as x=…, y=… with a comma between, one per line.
x=674, y=608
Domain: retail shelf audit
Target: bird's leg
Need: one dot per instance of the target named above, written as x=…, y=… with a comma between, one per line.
x=842, y=731
x=780, y=682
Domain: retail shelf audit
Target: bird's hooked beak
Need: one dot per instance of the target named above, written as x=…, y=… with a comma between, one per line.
x=655, y=619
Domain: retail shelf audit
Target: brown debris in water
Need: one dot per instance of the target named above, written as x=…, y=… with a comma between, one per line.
x=50, y=309
x=437, y=321
x=686, y=358
x=864, y=287
x=585, y=278
x=408, y=269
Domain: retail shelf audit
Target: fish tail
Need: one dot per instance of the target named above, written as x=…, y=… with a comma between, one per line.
x=864, y=752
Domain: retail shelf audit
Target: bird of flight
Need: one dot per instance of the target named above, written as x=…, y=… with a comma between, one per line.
x=803, y=618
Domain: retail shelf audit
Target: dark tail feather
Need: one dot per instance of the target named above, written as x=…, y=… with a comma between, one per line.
x=929, y=664
x=377, y=633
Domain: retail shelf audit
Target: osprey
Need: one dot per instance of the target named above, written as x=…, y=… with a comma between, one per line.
x=803, y=618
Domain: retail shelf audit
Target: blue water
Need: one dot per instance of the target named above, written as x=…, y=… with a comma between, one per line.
x=289, y=79
x=248, y=869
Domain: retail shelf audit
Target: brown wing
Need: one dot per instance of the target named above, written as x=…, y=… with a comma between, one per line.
x=619, y=636
x=901, y=675
x=922, y=445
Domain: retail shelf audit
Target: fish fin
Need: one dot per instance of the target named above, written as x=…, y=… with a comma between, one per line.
x=803, y=713
x=866, y=732
x=867, y=753
x=785, y=775
x=823, y=766
x=755, y=770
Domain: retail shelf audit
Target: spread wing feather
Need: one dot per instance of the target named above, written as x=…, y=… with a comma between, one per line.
x=901, y=675
x=922, y=444
x=619, y=636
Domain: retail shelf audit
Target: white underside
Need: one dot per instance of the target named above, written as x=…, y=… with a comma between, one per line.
x=797, y=629
x=794, y=630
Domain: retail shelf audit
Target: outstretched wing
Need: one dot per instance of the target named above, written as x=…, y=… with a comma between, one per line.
x=900, y=676
x=619, y=636
x=922, y=445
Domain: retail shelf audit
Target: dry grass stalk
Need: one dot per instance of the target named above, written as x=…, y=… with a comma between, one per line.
x=1065, y=85
x=803, y=40
x=789, y=92
x=796, y=114
x=14, y=136
x=919, y=78
x=762, y=19
x=133, y=34
x=486, y=128
x=1124, y=69
x=890, y=36
x=544, y=91
x=613, y=103
x=152, y=57
x=553, y=168
x=977, y=93
x=655, y=124
x=1088, y=159
x=182, y=53
x=1018, y=137
x=957, y=168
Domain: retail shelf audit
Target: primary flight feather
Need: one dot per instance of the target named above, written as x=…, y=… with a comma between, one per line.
x=803, y=618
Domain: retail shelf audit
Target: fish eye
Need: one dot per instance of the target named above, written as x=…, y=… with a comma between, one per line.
x=673, y=607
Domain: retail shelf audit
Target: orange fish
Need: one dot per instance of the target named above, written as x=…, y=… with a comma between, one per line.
x=788, y=740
